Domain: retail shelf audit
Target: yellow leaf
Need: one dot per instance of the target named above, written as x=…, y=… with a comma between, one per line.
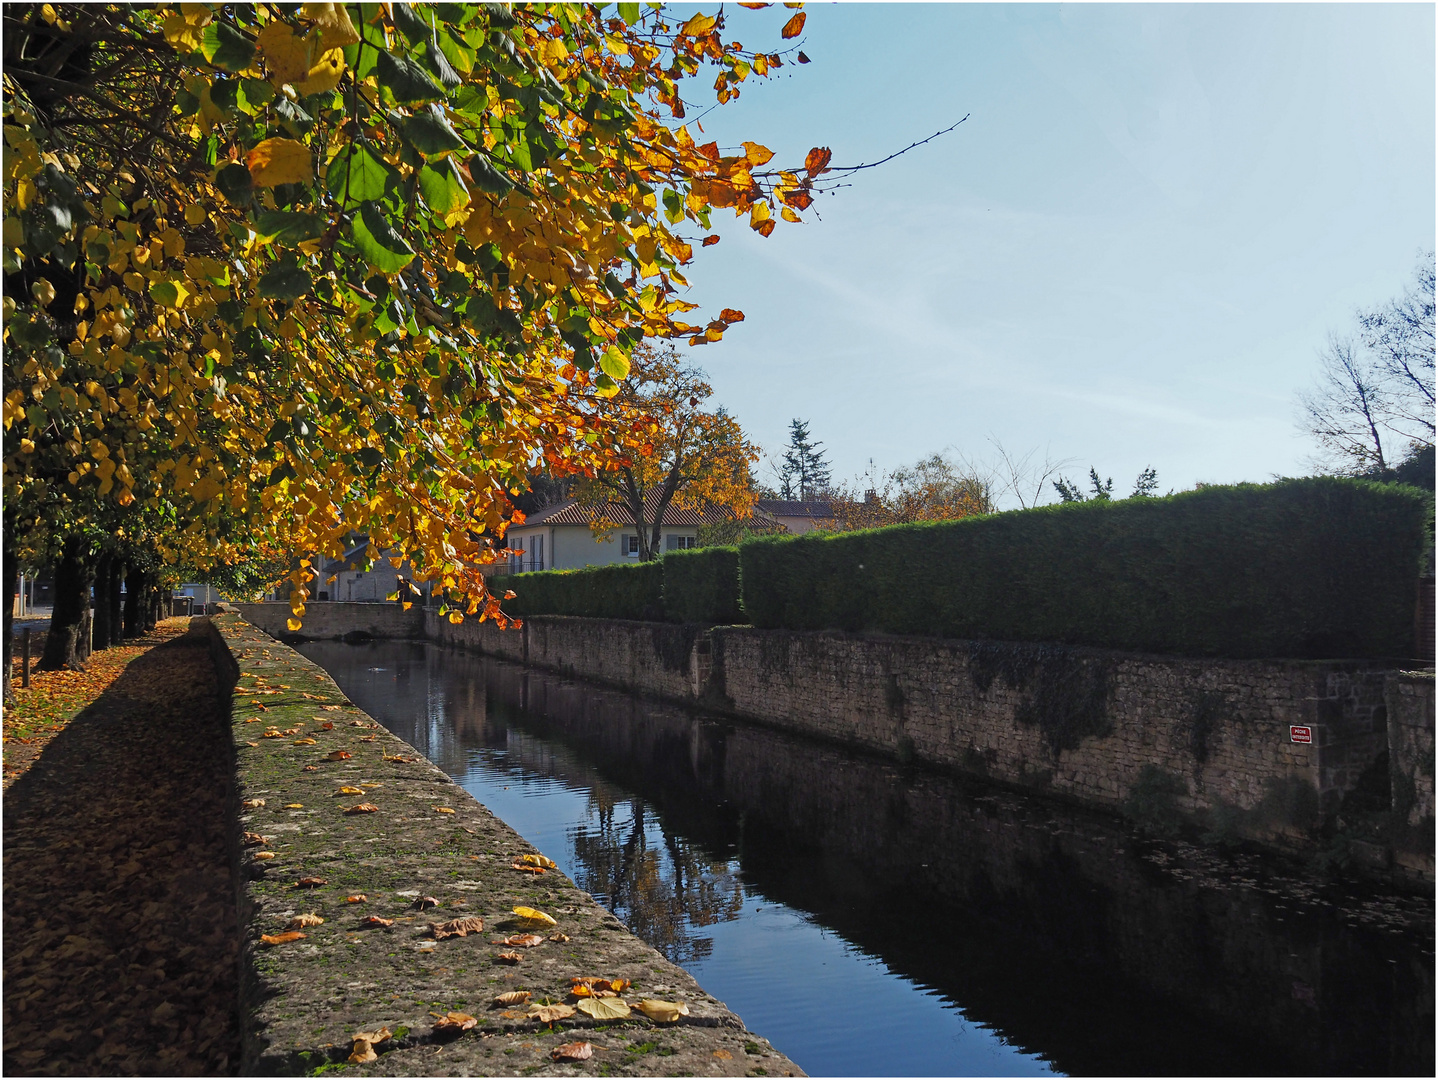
x=756, y=154
x=279, y=161
x=534, y=915
x=293, y=624
x=666, y=1012
x=538, y=860
x=333, y=23
x=324, y=75
x=699, y=24
x=603, y=1008
x=286, y=55
x=794, y=27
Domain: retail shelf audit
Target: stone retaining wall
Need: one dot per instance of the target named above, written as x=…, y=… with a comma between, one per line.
x=1151, y=734
x=1409, y=695
x=423, y=851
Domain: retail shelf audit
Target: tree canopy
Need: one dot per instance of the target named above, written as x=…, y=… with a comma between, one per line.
x=282, y=274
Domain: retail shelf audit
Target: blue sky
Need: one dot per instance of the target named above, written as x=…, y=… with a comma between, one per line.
x=1128, y=255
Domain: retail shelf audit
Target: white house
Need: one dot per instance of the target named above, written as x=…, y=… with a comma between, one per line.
x=558, y=537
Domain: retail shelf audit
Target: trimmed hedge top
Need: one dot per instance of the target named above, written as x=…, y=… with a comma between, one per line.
x=1324, y=567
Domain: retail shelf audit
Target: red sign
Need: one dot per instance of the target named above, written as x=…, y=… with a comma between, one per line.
x=1300, y=734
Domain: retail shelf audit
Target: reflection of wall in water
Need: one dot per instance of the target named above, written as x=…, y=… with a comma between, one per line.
x=888, y=857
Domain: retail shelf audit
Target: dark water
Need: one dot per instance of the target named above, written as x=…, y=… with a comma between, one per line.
x=872, y=920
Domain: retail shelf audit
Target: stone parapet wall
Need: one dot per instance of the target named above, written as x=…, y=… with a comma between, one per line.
x=332, y=816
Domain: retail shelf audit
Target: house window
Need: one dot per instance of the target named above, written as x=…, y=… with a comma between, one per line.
x=536, y=552
x=631, y=546
x=679, y=543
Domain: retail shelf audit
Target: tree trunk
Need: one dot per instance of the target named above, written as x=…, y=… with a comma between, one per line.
x=72, y=600
x=100, y=628
x=12, y=579
x=134, y=587
x=116, y=601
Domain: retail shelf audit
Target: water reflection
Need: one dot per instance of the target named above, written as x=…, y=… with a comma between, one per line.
x=873, y=920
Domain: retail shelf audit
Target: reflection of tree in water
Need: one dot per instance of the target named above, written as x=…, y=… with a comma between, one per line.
x=660, y=893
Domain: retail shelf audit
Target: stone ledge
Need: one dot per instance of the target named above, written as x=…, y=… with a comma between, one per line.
x=301, y=1002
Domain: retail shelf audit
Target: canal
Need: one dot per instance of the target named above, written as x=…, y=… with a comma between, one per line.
x=875, y=920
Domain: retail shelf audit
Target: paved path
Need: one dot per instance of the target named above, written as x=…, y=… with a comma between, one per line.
x=119, y=903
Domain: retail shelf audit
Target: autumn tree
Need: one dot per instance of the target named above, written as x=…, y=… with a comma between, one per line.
x=288, y=273
x=675, y=452
x=936, y=488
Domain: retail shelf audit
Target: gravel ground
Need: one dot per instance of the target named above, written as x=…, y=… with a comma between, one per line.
x=120, y=938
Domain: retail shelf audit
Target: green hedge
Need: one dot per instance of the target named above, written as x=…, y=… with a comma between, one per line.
x=1323, y=567
x=621, y=591
x=702, y=586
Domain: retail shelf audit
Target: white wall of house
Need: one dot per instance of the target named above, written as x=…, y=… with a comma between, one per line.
x=570, y=547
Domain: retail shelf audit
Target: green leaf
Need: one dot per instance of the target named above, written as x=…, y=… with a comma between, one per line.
x=377, y=240
x=407, y=19
x=168, y=293
x=226, y=48
x=443, y=188
x=357, y=175
x=405, y=80
x=460, y=57
x=614, y=363
x=288, y=227
x=234, y=183
x=629, y=13
x=673, y=206
x=486, y=177
x=285, y=281
x=429, y=132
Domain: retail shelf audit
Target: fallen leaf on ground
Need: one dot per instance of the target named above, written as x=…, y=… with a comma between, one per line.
x=253, y=720
x=350, y=791
x=523, y=941
x=264, y=855
x=536, y=870
x=365, y=1043
x=294, y=806
x=590, y=982
x=304, y=742
x=533, y=915
x=666, y=1012
x=310, y=768
x=328, y=725
x=724, y=1055
x=253, y=839
x=575, y=1051
x=375, y=920
x=508, y=957
x=424, y=902
x=400, y=758
x=471, y=924
x=548, y=1014
x=514, y=997
x=310, y=883
x=248, y=743
x=604, y=1008
x=442, y=809
x=331, y=708
x=281, y=939
x=338, y=755
x=299, y=922
x=453, y=1022
x=556, y=936
x=362, y=808
x=369, y=738
x=356, y=723
x=273, y=735
x=538, y=860
x=358, y=898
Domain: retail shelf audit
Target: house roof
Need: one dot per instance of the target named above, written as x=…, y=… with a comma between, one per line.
x=572, y=512
x=786, y=508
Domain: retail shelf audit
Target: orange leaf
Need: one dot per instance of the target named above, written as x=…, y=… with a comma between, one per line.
x=358, y=898
x=710, y=241
x=731, y=315
x=337, y=755
x=375, y=920
x=281, y=939
x=817, y=160
x=362, y=808
x=794, y=27
x=577, y=1051
x=310, y=883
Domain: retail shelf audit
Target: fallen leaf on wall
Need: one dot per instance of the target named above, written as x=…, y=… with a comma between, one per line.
x=575, y=1051
x=471, y=924
x=514, y=997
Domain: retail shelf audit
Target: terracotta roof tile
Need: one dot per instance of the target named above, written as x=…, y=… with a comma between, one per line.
x=570, y=512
